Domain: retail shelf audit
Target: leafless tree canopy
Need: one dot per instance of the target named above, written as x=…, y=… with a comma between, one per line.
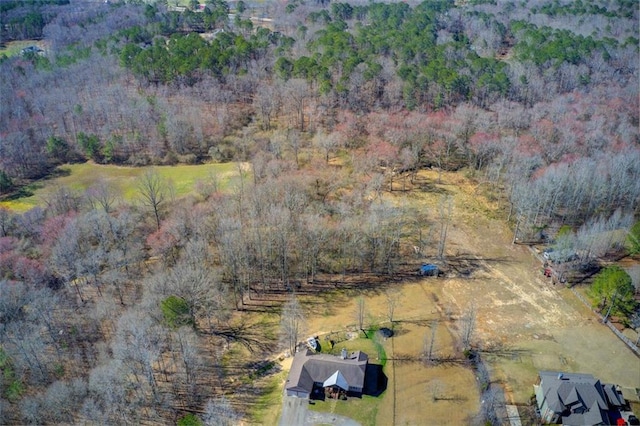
x=292, y=324
x=330, y=115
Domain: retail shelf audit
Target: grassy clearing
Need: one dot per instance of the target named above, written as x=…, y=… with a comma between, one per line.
x=13, y=48
x=80, y=177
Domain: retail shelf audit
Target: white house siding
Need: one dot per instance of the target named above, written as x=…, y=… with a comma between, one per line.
x=545, y=412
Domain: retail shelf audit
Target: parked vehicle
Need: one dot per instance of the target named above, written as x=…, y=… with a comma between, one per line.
x=313, y=343
x=429, y=270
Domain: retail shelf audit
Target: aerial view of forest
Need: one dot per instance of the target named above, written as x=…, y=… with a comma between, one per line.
x=193, y=190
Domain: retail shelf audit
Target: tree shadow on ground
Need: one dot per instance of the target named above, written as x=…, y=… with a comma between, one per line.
x=21, y=192
x=253, y=336
x=506, y=352
x=465, y=265
x=431, y=187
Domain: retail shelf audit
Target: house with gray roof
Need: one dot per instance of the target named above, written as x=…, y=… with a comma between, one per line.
x=343, y=374
x=577, y=399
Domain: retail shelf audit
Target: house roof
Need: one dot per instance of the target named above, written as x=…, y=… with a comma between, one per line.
x=614, y=398
x=336, y=379
x=581, y=398
x=308, y=368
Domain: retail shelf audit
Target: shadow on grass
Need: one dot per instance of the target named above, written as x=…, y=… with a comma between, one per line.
x=22, y=192
x=375, y=381
x=432, y=187
x=465, y=265
x=29, y=189
x=255, y=337
x=59, y=172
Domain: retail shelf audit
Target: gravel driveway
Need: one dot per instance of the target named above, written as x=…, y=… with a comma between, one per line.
x=295, y=412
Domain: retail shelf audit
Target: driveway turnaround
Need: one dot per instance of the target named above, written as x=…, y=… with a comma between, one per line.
x=295, y=412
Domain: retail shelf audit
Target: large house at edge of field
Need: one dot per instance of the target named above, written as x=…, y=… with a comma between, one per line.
x=333, y=376
x=577, y=399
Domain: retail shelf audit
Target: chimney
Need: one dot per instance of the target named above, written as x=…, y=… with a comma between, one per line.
x=343, y=354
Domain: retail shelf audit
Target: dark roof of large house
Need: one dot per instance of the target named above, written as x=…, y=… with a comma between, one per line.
x=308, y=368
x=581, y=398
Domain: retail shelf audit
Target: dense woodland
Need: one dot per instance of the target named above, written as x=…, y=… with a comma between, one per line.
x=113, y=312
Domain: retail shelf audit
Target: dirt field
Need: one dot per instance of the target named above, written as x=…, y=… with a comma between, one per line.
x=524, y=324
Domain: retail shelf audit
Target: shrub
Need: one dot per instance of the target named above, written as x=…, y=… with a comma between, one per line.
x=177, y=312
x=190, y=420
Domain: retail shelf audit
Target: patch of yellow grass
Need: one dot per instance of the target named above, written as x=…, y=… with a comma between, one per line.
x=80, y=177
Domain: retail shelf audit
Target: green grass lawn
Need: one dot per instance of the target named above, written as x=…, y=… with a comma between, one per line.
x=363, y=410
x=371, y=347
x=268, y=406
x=80, y=177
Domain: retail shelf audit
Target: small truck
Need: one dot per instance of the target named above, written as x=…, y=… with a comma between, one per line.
x=428, y=270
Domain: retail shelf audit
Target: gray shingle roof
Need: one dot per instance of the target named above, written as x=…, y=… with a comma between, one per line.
x=308, y=368
x=581, y=397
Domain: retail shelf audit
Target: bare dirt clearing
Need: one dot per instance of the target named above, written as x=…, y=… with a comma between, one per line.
x=524, y=323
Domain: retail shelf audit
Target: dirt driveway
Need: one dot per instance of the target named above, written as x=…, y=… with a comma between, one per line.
x=296, y=413
x=525, y=323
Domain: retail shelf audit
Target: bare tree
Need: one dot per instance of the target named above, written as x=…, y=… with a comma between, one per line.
x=138, y=343
x=62, y=200
x=328, y=143
x=430, y=343
x=60, y=401
x=393, y=299
x=24, y=344
x=296, y=93
x=197, y=285
x=109, y=400
x=187, y=366
x=102, y=195
x=360, y=314
x=153, y=192
x=314, y=239
x=292, y=324
x=64, y=255
x=219, y=412
x=445, y=209
x=267, y=103
x=468, y=326
x=634, y=273
x=295, y=141
x=6, y=221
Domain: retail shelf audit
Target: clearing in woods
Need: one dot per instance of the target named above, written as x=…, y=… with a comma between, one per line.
x=79, y=177
x=524, y=323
